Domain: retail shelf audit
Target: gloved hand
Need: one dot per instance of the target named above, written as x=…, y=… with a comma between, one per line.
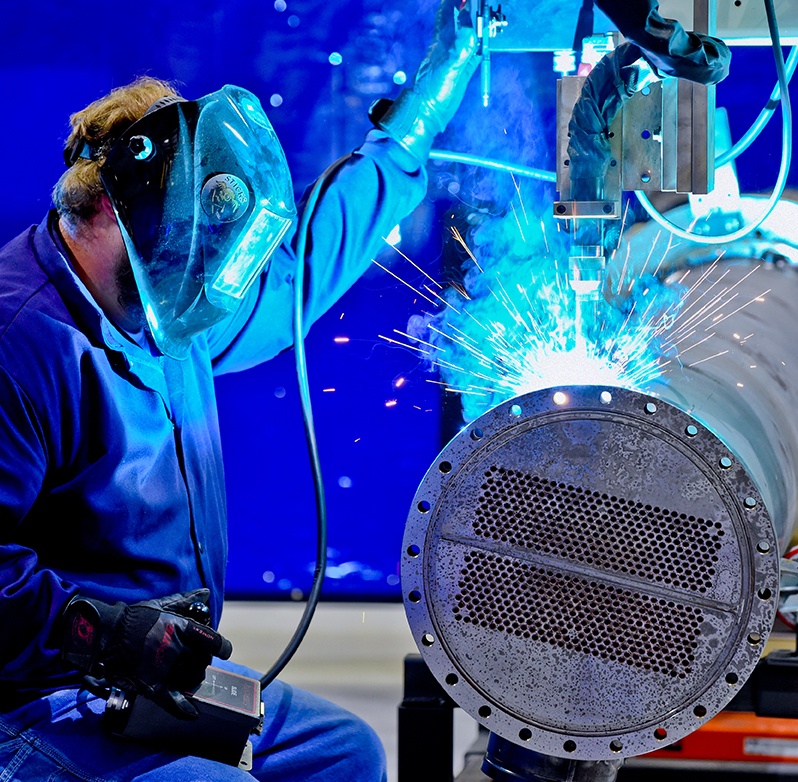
x=152, y=648
x=424, y=110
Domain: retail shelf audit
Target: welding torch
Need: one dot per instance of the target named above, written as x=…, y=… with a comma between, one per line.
x=590, y=183
x=489, y=22
x=586, y=262
x=591, y=189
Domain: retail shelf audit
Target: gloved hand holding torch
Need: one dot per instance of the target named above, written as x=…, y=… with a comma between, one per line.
x=423, y=110
x=152, y=648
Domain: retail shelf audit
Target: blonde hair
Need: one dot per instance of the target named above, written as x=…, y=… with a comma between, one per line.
x=76, y=194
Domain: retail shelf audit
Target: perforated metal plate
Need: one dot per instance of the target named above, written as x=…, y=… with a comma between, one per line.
x=589, y=572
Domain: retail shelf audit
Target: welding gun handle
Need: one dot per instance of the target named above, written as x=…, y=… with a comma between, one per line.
x=152, y=647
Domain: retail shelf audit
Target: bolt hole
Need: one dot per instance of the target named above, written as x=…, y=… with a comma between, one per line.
x=660, y=734
x=427, y=639
x=569, y=746
x=749, y=503
x=691, y=431
x=484, y=712
x=732, y=678
x=452, y=679
x=646, y=134
x=445, y=467
x=646, y=90
x=616, y=745
x=754, y=639
x=605, y=397
x=424, y=506
x=516, y=410
x=763, y=547
x=700, y=711
x=650, y=408
x=525, y=734
x=765, y=594
x=645, y=178
x=725, y=462
x=414, y=596
x=560, y=208
x=477, y=434
x=413, y=551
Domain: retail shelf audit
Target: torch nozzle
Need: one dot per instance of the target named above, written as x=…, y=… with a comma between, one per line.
x=586, y=279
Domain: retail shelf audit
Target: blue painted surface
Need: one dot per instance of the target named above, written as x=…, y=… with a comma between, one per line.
x=57, y=57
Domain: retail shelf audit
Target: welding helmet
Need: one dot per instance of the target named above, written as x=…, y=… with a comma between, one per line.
x=203, y=197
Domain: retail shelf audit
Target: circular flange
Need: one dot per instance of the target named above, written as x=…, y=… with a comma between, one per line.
x=589, y=572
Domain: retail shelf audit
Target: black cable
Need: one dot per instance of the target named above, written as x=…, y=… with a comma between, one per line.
x=310, y=431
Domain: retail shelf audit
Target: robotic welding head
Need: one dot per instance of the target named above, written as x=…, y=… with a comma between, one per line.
x=203, y=197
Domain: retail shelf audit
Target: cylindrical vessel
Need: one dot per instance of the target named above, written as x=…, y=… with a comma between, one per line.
x=592, y=572
x=589, y=572
x=742, y=382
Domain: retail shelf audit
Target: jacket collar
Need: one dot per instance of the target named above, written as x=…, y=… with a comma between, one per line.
x=53, y=257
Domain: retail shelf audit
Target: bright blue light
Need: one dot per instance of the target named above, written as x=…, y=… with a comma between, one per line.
x=511, y=328
x=335, y=58
x=400, y=77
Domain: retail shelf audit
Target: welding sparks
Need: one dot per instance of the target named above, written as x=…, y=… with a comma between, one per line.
x=498, y=340
x=509, y=327
x=419, y=293
x=459, y=237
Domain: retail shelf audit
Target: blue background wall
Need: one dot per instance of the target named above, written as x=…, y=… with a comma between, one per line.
x=382, y=425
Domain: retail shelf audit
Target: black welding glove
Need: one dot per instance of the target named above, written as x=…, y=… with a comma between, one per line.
x=421, y=112
x=152, y=648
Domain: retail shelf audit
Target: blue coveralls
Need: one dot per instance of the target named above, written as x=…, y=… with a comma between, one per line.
x=111, y=484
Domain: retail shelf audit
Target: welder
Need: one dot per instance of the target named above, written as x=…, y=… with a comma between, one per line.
x=167, y=260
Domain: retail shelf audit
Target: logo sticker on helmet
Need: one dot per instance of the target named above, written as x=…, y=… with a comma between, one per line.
x=224, y=198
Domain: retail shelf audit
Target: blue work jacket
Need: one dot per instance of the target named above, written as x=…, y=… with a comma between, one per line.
x=111, y=479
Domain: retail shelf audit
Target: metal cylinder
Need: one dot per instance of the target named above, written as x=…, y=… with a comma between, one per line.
x=742, y=382
x=589, y=572
x=592, y=572
x=507, y=762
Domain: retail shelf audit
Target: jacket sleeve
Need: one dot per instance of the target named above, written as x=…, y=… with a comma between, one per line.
x=31, y=598
x=361, y=201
